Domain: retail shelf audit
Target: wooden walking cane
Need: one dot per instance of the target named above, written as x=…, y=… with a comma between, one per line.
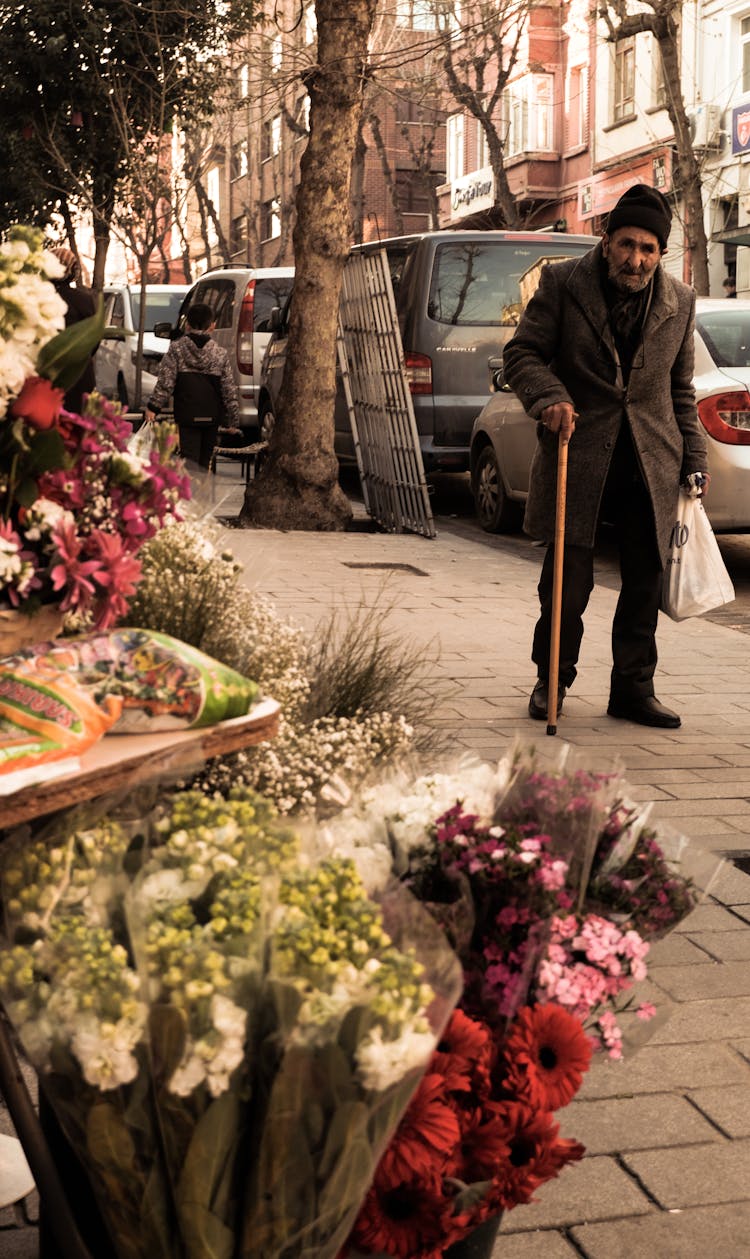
x=557, y=575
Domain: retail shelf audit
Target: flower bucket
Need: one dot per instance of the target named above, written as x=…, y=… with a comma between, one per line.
x=19, y=630
x=479, y=1244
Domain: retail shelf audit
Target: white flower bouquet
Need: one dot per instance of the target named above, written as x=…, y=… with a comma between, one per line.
x=227, y=1028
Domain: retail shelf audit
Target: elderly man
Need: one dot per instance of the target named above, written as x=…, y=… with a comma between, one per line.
x=604, y=356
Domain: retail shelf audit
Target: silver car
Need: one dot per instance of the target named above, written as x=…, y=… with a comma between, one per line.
x=503, y=438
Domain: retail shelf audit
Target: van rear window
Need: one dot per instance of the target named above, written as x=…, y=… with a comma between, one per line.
x=219, y=295
x=269, y=292
x=477, y=282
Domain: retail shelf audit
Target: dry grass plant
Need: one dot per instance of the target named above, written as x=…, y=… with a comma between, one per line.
x=359, y=663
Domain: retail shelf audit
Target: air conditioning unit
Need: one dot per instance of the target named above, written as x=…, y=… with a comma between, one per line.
x=705, y=126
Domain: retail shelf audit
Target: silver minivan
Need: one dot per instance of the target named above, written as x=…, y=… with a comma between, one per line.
x=458, y=301
x=242, y=299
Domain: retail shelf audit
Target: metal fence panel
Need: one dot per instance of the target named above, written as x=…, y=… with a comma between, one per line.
x=371, y=361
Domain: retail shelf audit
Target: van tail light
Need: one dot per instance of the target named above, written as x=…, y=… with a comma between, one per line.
x=726, y=417
x=418, y=372
x=245, y=331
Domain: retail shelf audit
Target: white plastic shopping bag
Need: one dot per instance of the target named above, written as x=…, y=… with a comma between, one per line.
x=695, y=578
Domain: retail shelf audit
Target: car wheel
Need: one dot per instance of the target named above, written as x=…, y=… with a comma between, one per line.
x=266, y=421
x=496, y=512
x=122, y=392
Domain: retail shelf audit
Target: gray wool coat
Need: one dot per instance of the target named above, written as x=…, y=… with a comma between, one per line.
x=563, y=351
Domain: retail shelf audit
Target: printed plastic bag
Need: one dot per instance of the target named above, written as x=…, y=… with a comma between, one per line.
x=695, y=578
x=46, y=716
x=161, y=683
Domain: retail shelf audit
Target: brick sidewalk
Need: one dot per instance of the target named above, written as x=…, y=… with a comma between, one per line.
x=667, y=1171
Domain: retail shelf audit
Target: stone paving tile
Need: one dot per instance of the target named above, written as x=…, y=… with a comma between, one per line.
x=691, y=983
x=595, y=1189
x=722, y=1231
x=538, y=1245
x=732, y=886
x=676, y=808
x=663, y=1068
x=722, y=1019
x=613, y=1125
x=726, y=1106
x=679, y=950
x=694, y=1175
x=709, y=917
x=725, y=946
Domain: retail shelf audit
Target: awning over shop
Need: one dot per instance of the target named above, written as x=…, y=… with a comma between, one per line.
x=733, y=235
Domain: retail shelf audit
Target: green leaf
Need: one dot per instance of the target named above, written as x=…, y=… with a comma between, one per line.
x=47, y=451
x=167, y=1033
x=207, y=1177
x=109, y=1142
x=26, y=492
x=63, y=358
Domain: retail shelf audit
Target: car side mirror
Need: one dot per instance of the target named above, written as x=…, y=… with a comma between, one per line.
x=163, y=330
x=497, y=376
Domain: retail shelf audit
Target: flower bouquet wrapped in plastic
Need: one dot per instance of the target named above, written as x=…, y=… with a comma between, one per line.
x=228, y=1029
x=549, y=884
x=73, y=997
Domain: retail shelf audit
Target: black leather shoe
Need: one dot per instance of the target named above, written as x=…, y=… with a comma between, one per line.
x=645, y=710
x=539, y=698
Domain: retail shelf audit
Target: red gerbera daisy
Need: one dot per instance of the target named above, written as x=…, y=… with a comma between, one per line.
x=409, y=1219
x=484, y=1145
x=536, y=1154
x=462, y=1055
x=428, y=1133
x=546, y=1054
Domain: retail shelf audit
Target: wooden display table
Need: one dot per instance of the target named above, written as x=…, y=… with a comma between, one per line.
x=121, y=761
x=118, y=763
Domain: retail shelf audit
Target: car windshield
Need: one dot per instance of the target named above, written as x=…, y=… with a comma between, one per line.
x=727, y=335
x=477, y=283
x=160, y=307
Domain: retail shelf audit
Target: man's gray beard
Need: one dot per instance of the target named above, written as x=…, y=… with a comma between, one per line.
x=621, y=287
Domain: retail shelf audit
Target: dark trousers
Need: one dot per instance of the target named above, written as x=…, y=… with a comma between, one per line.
x=627, y=506
x=197, y=442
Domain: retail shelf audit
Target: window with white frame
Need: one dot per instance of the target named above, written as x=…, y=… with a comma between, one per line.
x=660, y=86
x=454, y=146
x=270, y=137
x=213, y=191
x=575, y=113
x=276, y=52
x=270, y=220
x=483, y=148
x=623, y=102
x=529, y=115
x=745, y=46
x=243, y=82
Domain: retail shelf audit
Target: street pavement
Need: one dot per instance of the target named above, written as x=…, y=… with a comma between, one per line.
x=667, y=1131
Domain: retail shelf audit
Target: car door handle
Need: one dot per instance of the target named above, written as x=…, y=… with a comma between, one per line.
x=497, y=376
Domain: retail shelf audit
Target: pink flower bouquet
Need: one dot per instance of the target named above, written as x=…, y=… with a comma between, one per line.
x=75, y=504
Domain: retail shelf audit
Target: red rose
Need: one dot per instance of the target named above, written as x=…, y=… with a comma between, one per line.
x=39, y=403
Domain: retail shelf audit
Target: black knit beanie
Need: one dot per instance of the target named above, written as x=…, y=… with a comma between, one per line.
x=644, y=207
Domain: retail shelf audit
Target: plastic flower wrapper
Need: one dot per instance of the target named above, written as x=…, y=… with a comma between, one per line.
x=197, y=917
x=360, y=994
x=570, y=800
x=649, y=877
x=74, y=1000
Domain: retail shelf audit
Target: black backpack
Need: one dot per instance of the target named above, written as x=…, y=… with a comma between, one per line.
x=197, y=399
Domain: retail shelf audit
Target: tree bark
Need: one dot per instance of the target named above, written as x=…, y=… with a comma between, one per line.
x=298, y=486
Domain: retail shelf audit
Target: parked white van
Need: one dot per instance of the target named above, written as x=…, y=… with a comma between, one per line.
x=116, y=359
x=242, y=299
